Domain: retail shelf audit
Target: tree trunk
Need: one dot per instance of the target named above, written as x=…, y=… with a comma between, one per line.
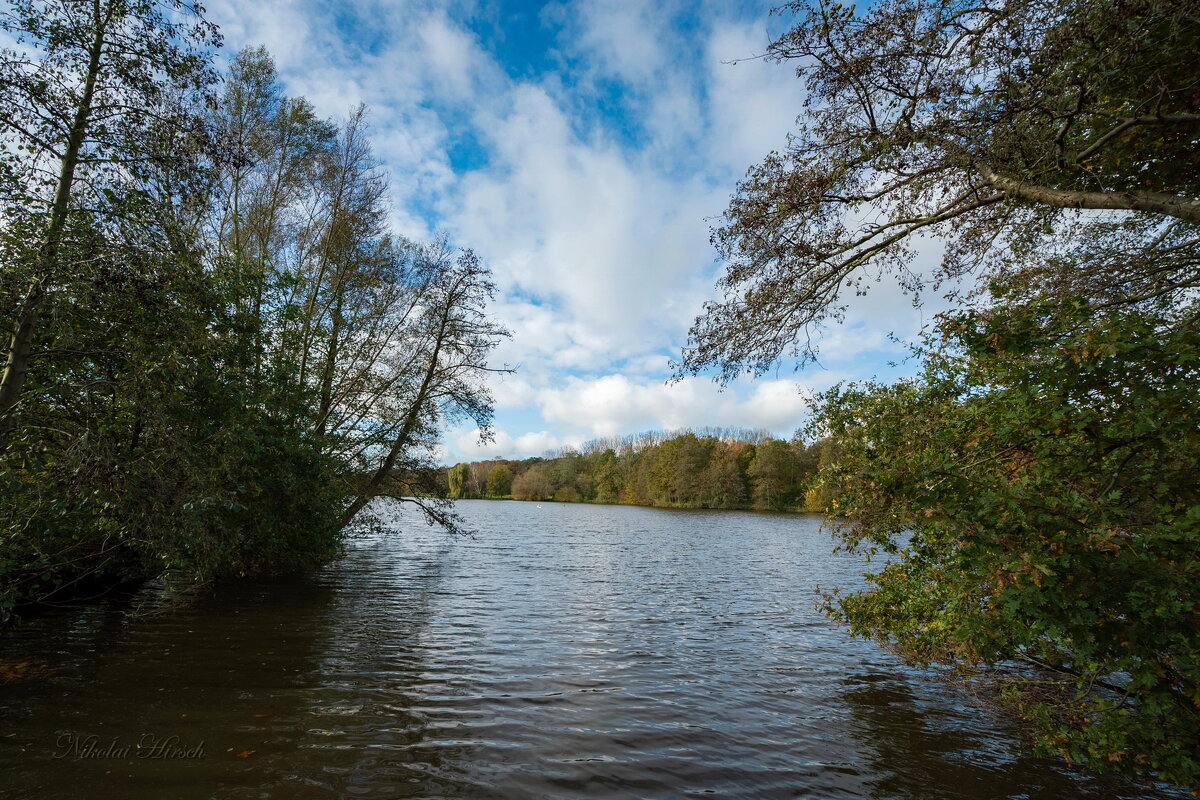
x=16, y=365
x=1170, y=205
x=406, y=429
x=331, y=355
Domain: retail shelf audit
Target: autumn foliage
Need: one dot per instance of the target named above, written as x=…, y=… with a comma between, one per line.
x=1036, y=489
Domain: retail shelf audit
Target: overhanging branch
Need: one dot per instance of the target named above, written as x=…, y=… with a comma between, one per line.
x=1171, y=205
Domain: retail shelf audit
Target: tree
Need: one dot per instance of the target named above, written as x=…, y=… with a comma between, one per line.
x=98, y=91
x=457, y=476
x=990, y=126
x=233, y=354
x=1036, y=488
x=1033, y=484
x=774, y=475
x=820, y=456
x=725, y=479
x=275, y=216
x=477, y=476
x=499, y=481
x=607, y=482
x=533, y=484
x=364, y=341
x=567, y=494
x=680, y=470
x=438, y=375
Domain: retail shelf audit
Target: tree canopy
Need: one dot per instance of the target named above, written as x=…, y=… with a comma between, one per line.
x=1036, y=488
x=220, y=352
x=1005, y=128
x=726, y=468
x=102, y=96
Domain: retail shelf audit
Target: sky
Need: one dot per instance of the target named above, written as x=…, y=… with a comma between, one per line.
x=583, y=149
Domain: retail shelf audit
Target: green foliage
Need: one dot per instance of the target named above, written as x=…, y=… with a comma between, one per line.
x=1036, y=489
x=457, y=480
x=567, y=494
x=219, y=354
x=165, y=464
x=774, y=471
x=681, y=471
x=499, y=482
x=533, y=484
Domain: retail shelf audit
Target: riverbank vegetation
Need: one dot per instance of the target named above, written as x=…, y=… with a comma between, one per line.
x=219, y=350
x=1035, y=482
x=710, y=468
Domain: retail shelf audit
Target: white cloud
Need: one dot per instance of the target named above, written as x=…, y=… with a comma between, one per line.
x=628, y=39
x=615, y=404
x=512, y=391
x=618, y=250
x=753, y=104
x=451, y=58
x=468, y=447
x=283, y=26
x=596, y=226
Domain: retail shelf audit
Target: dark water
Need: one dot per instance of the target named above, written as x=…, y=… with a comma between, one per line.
x=568, y=652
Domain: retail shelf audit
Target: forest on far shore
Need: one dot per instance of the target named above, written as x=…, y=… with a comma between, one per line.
x=730, y=468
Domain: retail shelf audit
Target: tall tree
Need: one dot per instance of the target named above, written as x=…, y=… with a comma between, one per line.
x=365, y=341
x=456, y=478
x=1032, y=486
x=82, y=107
x=267, y=210
x=439, y=374
x=240, y=354
x=499, y=481
x=533, y=484
x=775, y=474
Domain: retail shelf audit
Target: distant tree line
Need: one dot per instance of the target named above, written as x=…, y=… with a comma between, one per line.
x=730, y=468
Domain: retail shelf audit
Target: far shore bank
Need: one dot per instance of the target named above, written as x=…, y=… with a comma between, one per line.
x=788, y=510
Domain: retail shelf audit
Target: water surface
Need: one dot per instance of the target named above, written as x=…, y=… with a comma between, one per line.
x=568, y=651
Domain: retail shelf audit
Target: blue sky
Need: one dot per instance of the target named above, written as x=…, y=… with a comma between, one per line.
x=583, y=149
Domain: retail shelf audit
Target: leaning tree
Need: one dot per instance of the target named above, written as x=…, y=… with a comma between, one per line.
x=1055, y=148
x=90, y=96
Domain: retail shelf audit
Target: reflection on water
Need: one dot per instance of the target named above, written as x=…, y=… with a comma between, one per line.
x=565, y=652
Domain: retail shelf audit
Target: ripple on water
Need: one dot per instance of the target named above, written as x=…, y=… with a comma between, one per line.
x=571, y=652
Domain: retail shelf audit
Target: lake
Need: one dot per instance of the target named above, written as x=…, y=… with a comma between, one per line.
x=567, y=651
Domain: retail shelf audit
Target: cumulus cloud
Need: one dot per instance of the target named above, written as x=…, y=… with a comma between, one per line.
x=614, y=404
x=588, y=408
x=753, y=103
x=617, y=252
x=469, y=447
x=590, y=187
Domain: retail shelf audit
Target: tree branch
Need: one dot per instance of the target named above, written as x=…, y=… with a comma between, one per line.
x=1171, y=205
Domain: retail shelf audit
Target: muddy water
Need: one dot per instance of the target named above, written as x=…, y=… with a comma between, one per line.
x=570, y=651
